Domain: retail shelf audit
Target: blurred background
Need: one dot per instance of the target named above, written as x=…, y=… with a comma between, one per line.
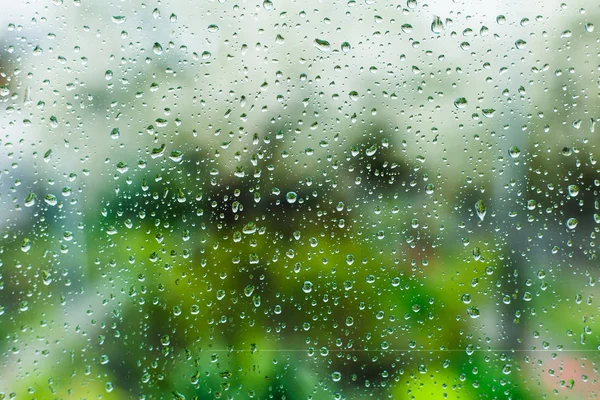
x=299, y=200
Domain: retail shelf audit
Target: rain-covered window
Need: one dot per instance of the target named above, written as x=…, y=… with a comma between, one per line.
x=312, y=199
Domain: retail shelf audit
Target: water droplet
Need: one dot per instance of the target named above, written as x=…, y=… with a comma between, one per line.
x=291, y=197
x=51, y=199
x=212, y=28
x=481, y=209
x=307, y=286
x=122, y=167
x=46, y=277
x=248, y=290
x=115, y=133
x=371, y=150
x=437, y=26
x=26, y=245
x=322, y=45
x=573, y=190
x=589, y=27
x=336, y=376
x=476, y=253
x=460, y=102
x=514, y=152
x=176, y=155
x=118, y=19
x=488, y=112
x=157, y=49
x=48, y=155
x=268, y=5
x=473, y=312
x=520, y=44
x=572, y=223
x=30, y=199
x=346, y=47
x=249, y=228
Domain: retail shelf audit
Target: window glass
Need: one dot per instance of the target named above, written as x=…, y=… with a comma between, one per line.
x=299, y=199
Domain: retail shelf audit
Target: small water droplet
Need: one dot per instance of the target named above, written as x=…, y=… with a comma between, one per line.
x=572, y=223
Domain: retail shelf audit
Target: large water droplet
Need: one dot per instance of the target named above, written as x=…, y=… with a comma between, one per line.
x=322, y=45
x=481, y=209
x=460, y=102
x=514, y=152
x=437, y=26
x=307, y=286
x=291, y=197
